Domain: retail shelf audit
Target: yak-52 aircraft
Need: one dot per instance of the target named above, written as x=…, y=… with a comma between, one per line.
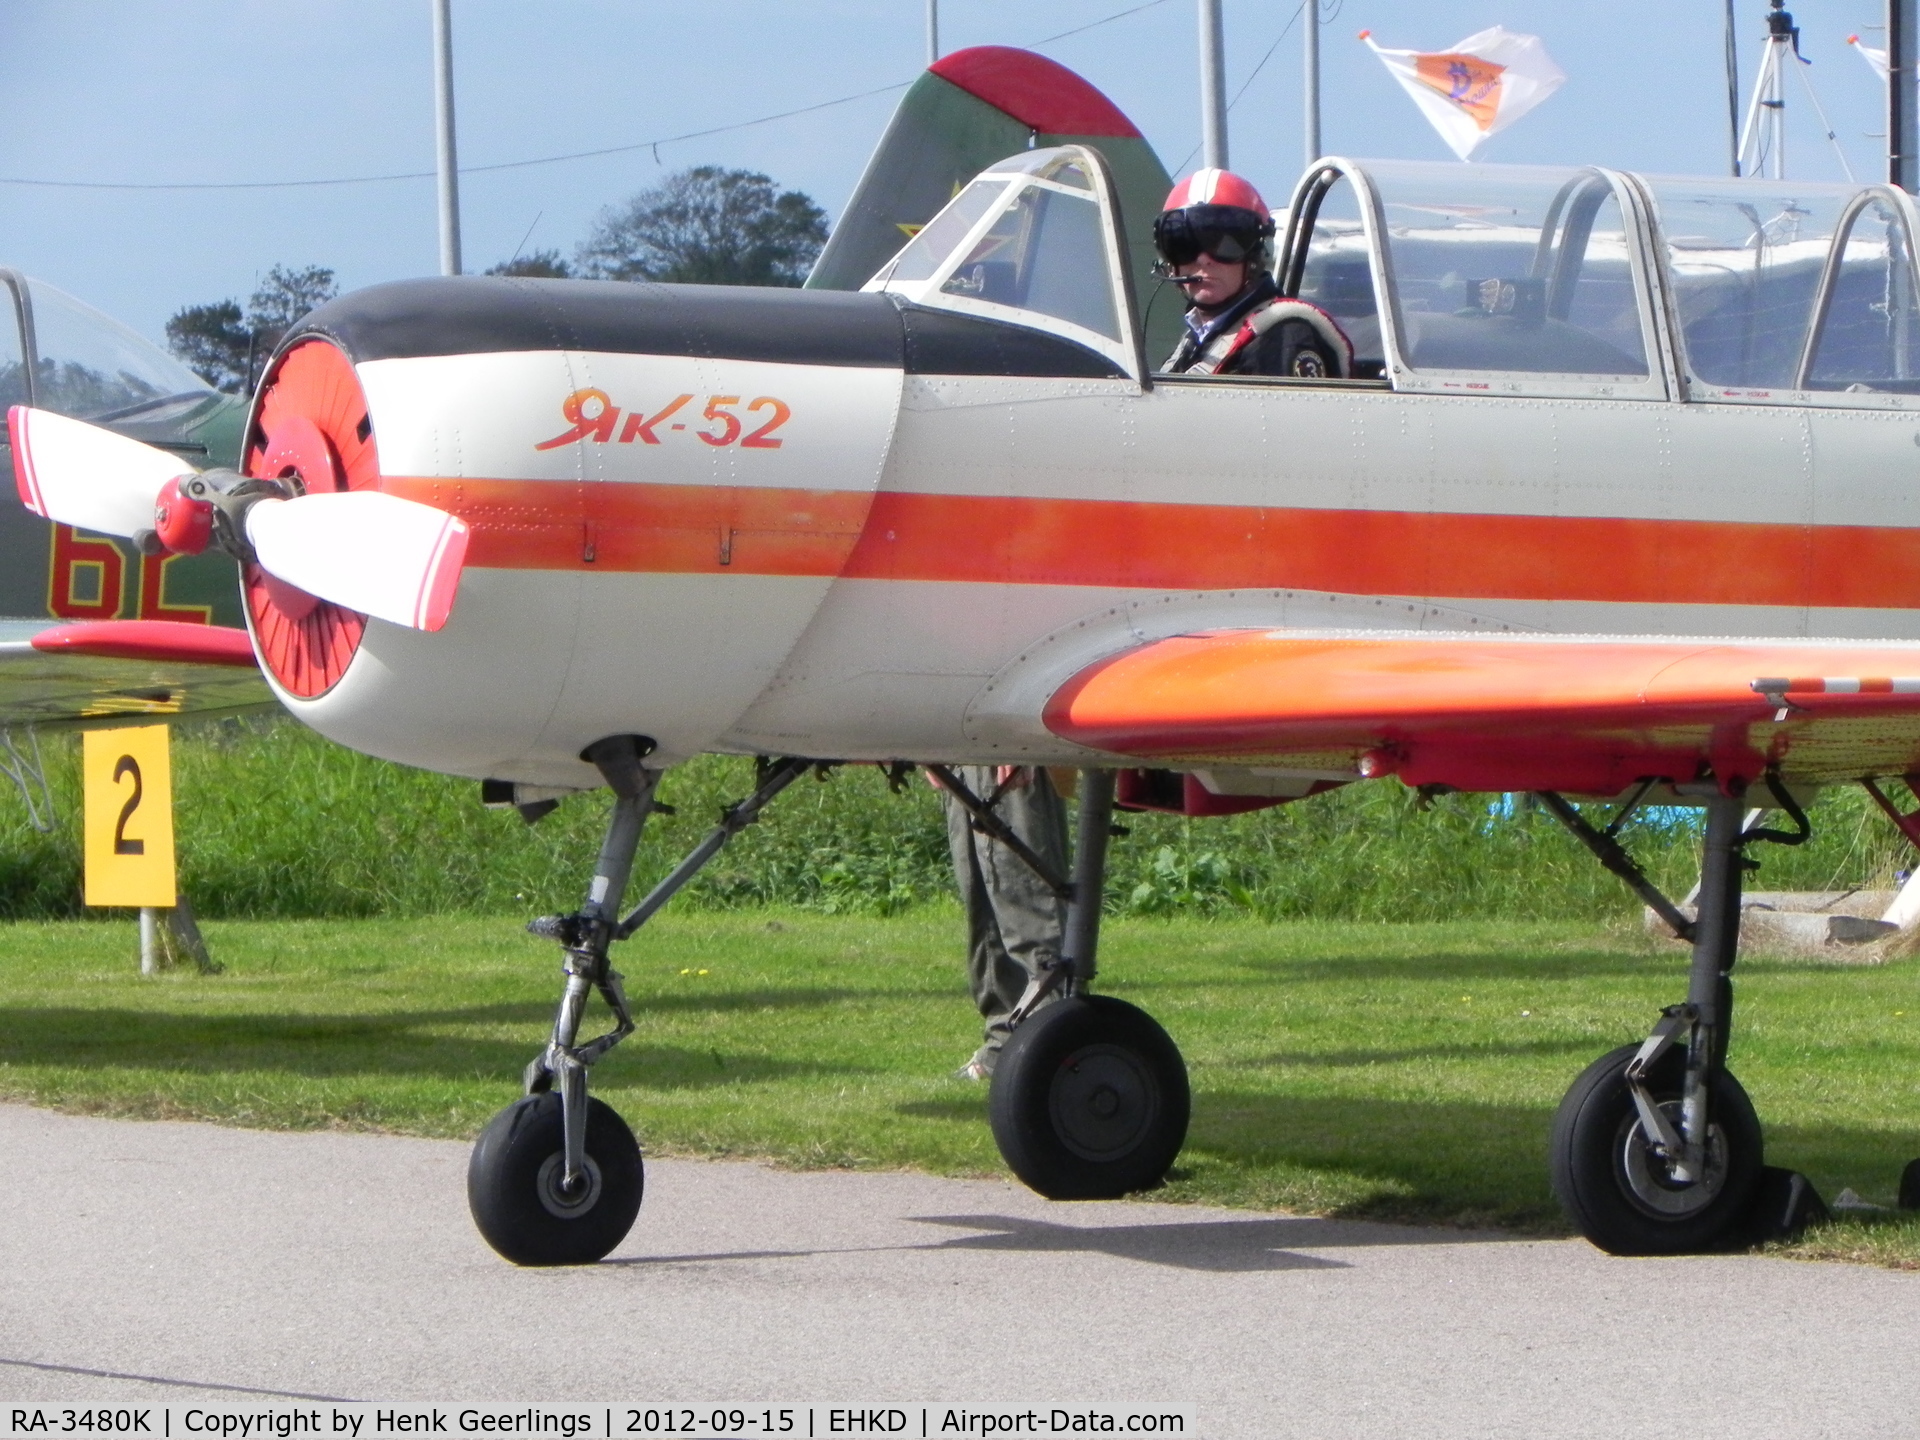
x=93, y=631
x=1615, y=502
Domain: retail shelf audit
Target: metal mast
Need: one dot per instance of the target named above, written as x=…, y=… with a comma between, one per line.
x=1763, y=143
x=1763, y=140
x=1733, y=94
x=1903, y=136
x=1213, y=87
x=449, y=165
x=933, y=31
x=1311, y=46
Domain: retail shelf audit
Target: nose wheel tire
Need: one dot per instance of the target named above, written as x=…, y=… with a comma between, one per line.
x=1619, y=1191
x=517, y=1191
x=1090, y=1100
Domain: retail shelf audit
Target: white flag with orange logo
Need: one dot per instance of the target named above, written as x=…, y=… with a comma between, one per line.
x=1876, y=59
x=1479, y=87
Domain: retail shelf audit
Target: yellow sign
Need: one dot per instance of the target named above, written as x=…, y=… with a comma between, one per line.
x=129, y=807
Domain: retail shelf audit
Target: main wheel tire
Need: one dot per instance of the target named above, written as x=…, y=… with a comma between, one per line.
x=1090, y=1100
x=515, y=1192
x=1619, y=1193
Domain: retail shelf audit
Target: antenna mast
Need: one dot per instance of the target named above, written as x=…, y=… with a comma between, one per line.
x=1763, y=140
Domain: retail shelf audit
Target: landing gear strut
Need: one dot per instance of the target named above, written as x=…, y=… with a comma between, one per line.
x=1656, y=1149
x=556, y=1177
x=1089, y=1097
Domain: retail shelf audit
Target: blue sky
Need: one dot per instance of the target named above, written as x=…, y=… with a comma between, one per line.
x=247, y=90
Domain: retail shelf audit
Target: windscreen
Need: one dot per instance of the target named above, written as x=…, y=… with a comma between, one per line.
x=1746, y=258
x=928, y=250
x=1045, y=253
x=94, y=368
x=1520, y=269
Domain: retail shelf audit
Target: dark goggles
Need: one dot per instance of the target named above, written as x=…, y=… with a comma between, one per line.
x=1226, y=232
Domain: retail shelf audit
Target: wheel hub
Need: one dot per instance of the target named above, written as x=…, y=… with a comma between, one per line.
x=1103, y=1101
x=1648, y=1175
x=565, y=1202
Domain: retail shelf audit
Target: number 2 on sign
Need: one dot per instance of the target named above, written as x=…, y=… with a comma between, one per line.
x=129, y=814
x=127, y=765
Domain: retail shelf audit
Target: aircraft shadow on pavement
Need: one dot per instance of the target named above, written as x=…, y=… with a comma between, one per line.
x=320, y=1046
x=1225, y=1246
x=1215, y=1246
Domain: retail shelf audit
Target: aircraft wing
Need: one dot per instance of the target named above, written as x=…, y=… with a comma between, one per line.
x=1586, y=714
x=103, y=672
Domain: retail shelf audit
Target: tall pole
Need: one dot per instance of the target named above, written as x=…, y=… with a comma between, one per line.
x=933, y=31
x=1213, y=87
x=449, y=166
x=1903, y=136
x=1311, y=45
x=1733, y=95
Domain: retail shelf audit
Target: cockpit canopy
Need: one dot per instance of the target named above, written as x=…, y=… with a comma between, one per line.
x=1492, y=278
x=1588, y=281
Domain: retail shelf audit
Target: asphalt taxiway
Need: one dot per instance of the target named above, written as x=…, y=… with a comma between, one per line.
x=164, y=1262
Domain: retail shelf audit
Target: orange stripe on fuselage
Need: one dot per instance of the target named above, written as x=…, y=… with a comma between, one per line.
x=897, y=535
x=662, y=529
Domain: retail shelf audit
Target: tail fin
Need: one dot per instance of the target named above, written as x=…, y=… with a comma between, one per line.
x=969, y=109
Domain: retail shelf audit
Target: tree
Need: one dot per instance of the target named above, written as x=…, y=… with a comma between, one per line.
x=212, y=339
x=223, y=346
x=537, y=265
x=707, y=226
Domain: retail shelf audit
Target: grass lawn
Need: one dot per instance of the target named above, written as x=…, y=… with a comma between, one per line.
x=1403, y=1072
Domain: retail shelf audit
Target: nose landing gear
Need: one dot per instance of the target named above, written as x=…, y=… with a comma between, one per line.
x=556, y=1177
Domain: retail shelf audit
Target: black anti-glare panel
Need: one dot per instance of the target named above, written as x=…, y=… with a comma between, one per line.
x=479, y=314
x=940, y=342
x=470, y=315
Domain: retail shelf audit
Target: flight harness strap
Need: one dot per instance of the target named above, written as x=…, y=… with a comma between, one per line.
x=1220, y=350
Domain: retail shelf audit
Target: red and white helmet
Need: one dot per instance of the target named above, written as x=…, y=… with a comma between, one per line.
x=1216, y=187
x=1214, y=212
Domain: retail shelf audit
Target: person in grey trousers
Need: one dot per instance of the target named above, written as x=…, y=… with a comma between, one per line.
x=1015, y=923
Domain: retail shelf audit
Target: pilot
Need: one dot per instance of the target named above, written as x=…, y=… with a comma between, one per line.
x=1015, y=923
x=1214, y=237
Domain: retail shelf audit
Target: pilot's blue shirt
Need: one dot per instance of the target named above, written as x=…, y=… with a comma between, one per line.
x=1260, y=291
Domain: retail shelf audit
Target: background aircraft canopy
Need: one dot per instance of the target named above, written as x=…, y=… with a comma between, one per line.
x=83, y=363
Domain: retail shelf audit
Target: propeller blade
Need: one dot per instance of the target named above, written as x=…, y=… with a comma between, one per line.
x=81, y=475
x=372, y=552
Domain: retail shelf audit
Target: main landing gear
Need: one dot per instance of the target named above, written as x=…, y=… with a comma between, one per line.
x=1089, y=1097
x=1656, y=1149
x=556, y=1177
